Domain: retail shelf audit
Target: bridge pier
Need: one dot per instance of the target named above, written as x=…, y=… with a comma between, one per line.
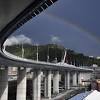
x=37, y=85
x=48, y=84
x=4, y=84
x=68, y=80
x=21, y=84
x=79, y=78
x=65, y=80
x=84, y=76
x=56, y=82
x=74, y=79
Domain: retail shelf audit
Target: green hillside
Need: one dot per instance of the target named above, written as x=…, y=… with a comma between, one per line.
x=54, y=51
x=30, y=51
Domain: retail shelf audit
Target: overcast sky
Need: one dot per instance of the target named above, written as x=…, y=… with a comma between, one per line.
x=71, y=23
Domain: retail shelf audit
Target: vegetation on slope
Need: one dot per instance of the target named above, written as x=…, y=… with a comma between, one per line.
x=55, y=53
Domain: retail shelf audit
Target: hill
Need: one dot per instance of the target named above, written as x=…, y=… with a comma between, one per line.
x=52, y=53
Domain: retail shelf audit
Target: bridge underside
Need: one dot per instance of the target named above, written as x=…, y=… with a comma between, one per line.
x=9, y=9
x=14, y=13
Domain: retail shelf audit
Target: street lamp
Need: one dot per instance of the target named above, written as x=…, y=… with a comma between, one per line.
x=48, y=55
x=37, y=54
x=22, y=51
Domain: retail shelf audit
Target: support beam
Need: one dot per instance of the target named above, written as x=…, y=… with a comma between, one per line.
x=56, y=82
x=48, y=84
x=37, y=85
x=21, y=84
x=74, y=79
x=4, y=84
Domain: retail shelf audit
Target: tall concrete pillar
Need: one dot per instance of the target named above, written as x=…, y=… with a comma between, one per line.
x=56, y=82
x=84, y=76
x=48, y=84
x=37, y=85
x=4, y=84
x=21, y=84
x=68, y=80
x=80, y=78
x=65, y=77
x=74, y=79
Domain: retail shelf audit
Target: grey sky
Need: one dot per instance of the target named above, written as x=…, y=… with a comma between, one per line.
x=72, y=23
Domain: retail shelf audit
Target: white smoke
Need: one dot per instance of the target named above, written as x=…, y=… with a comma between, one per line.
x=18, y=39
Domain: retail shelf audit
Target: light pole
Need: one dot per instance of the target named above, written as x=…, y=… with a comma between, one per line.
x=37, y=54
x=48, y=55
x=22, y=51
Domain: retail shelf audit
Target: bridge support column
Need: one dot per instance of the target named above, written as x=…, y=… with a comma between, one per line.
x=56, y=82
x=4, y=84
x=48, y=84
x=65, y=77
x=21, y=84
x=74, y=79
x=85, y=76
x=37, y=85
x=68, y=80
x=80, y=78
